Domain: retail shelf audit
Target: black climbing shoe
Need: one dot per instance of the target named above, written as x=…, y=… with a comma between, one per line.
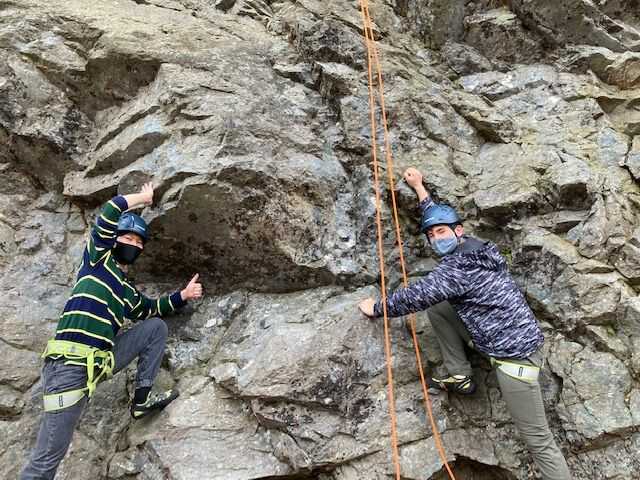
x=464, y=385
x=154, y=402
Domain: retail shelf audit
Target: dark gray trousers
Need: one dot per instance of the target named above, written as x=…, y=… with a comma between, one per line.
x=523, y=399
x=146, y=341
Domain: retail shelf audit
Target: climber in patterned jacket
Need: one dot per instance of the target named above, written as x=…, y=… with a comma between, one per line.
x=472, y=300
x=89, y=347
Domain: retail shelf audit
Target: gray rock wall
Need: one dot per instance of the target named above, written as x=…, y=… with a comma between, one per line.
x=251, y=118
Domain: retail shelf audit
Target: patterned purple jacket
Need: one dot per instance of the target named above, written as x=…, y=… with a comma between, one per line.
x=476, y=282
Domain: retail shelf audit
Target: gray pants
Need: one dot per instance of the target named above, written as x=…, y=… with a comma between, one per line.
x=146, y=340
x=523, y=399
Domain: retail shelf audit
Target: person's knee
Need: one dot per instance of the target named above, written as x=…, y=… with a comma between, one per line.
x=160, y=328
x=539, y=439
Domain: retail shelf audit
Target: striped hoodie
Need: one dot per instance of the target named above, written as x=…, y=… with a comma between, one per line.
x=103, y=296
x=476, y=282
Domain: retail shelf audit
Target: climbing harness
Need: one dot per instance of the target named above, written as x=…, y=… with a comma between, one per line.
x=60, y=401
x=373, y=59
x=80, y=354
x=519, y=371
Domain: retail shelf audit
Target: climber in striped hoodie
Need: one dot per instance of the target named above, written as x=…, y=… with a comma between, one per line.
x=471, y=300
x=88, y=346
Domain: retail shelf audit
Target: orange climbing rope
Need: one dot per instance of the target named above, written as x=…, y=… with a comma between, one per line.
x=373, y=59
x=387, y=340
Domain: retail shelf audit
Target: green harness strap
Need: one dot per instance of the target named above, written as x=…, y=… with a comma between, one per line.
x=78, y=352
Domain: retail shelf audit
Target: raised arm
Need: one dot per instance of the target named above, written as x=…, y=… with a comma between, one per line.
x=413, y=177
x=105, y=230
x=143, y=198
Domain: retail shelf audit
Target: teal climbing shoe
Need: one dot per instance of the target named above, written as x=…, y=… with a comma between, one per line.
x=153, y=403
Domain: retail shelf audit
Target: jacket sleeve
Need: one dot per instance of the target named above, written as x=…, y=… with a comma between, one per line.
x=139, y=307
x=446, y=282
x=104, y=230
x=425, y=204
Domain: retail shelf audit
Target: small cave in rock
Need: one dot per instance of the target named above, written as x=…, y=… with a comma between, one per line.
x=467, y=469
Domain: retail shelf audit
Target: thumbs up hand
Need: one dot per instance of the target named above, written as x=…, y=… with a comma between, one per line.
x=193, y=290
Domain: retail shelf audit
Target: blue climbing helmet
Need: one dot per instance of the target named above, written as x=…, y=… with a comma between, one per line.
x=439, y=215
x=132, y=223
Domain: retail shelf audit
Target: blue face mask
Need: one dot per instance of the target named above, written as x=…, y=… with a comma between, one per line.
x=444, y=246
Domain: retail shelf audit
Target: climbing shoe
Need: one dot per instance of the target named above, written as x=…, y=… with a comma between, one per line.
x=462, y=384
x=154, y=402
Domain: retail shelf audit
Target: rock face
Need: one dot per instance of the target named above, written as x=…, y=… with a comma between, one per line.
x=251, y=118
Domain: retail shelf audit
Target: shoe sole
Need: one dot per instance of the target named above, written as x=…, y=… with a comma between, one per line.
x=157, y=407
x=437, y=389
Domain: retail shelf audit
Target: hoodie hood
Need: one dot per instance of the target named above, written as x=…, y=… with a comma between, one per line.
x=474, y=253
